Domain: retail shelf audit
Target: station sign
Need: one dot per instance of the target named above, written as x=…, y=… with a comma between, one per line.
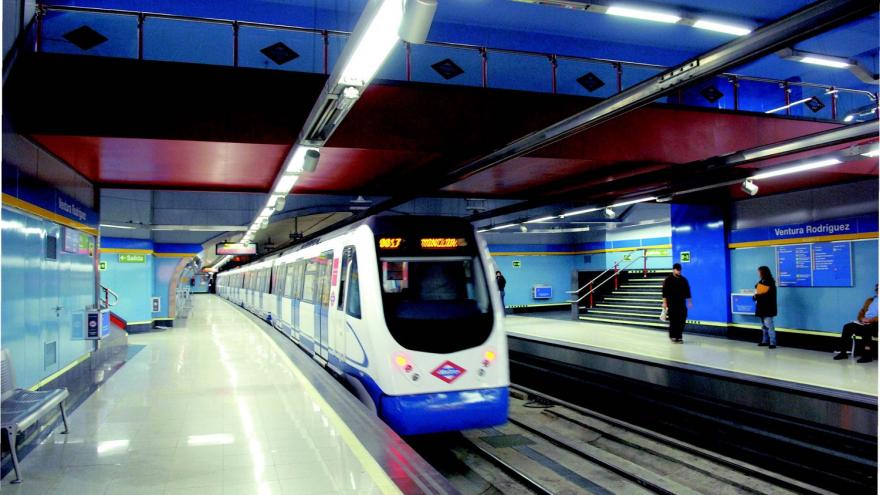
x=235, y=248
x=132, y=258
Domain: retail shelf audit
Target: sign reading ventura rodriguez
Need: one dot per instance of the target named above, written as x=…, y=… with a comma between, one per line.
x=851, y=228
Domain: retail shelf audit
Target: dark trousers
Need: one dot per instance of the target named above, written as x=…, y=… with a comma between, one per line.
x=863, y=331
x=677, y=317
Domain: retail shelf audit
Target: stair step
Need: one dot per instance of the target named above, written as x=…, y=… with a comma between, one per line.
x=644, y=280
x=629, y=306
x=641, y=286
x=639, y=292
x=639, y=299
x=658, y=323
x=625, y=313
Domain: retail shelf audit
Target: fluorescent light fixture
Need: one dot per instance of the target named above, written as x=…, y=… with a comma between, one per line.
x=634, y=201
x=508, y=225
x=825, y=61
x=483, y=230
x=722, y=28
x=542, y=219
x=849, y=118
x=375, y=45
x=647, y=15
x=112, y=226
x=783, y=107
x=874, y=153
x=285, y=184
x=578, y=212
x=273, y=199
x=797, y=168
x=267, y=211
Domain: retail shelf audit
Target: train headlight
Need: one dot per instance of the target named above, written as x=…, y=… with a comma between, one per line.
x=403, y=363
x=488, y=358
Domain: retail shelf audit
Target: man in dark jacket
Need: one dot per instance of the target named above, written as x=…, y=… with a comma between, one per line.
x=502, y=282
x=865, y=326
x=676, y=301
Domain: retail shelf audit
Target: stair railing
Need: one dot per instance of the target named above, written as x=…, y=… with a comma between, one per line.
x=616, y=268
x=105, y=301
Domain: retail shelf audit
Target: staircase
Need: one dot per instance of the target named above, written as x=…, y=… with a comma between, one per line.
x=637, y=301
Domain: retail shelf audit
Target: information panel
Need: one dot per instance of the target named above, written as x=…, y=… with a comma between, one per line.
x=794, y=265
x=742, y=304
x=822, y=264
x=832, y=264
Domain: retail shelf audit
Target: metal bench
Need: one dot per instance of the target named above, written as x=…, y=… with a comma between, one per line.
x=21, y=408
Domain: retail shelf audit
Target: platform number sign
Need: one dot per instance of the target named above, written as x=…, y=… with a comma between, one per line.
x=102, y=265
x=685, y=256
x=517, y=263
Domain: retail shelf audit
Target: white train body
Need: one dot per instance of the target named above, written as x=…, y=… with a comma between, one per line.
x=403, y=308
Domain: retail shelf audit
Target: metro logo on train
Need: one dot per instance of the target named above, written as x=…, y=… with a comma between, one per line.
x=448, y=372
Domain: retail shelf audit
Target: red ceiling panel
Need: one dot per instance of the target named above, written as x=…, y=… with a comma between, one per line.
x=164, y=163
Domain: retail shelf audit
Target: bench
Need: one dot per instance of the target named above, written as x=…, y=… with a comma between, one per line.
x=21, y=408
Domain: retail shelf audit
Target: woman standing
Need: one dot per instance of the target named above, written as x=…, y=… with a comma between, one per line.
x=765, y=306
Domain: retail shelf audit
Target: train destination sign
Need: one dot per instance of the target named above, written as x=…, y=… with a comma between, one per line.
x=442, y=243
x=236, y=248
x=390, y=242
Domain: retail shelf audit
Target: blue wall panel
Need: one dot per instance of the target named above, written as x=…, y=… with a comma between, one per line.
x=43, y=301
x=823, y=309
x=133, y=282
x=700, y=229
x=554, y=271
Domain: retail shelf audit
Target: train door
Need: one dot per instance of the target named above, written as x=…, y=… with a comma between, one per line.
x=348, y=310
x=322, y=304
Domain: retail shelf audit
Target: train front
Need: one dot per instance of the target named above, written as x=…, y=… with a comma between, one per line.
x=448, y=350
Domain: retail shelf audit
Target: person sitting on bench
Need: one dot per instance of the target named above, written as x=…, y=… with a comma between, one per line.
x=865, y=327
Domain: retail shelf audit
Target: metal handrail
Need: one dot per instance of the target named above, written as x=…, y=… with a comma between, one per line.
x=106, y=300
x=603, y=273
x=42, y=9
x=606, y=280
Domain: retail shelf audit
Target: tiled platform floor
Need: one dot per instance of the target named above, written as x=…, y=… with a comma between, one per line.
x=210, y=408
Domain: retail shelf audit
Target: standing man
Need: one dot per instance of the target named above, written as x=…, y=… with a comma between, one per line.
x=676, y=301
x=502, y=282
x=865, y=326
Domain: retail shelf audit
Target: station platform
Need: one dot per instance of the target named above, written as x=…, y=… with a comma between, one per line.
x=783, y=365
x=216, y=406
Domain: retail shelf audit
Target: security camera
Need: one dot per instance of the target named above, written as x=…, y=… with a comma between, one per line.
x=310, y=162
x=609, y=212
x=279, y=203
x=749, y=187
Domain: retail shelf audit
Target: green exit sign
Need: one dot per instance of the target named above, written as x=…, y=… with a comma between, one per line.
x=685, y=257
x=132, y=258
x=102, y=265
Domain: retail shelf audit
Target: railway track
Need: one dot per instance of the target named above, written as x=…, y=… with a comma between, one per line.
x=551, y=447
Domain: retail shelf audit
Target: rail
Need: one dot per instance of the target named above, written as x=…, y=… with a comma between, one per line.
x=105, y=300
x=183, y=298
x=616, y=270
x=478, y=70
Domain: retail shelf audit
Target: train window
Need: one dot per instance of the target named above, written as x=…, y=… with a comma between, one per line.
x=309, y=278
x=436, y=304
x=279, y=275
x=298, y=281
x=347, y=254
x=326, y=265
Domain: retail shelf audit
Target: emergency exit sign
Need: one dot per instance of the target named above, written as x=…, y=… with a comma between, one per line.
x=132, y=258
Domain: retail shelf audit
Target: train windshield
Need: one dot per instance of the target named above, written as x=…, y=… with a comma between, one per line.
x=436, y=304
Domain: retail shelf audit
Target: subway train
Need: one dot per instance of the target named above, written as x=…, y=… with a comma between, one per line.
x=404, y=309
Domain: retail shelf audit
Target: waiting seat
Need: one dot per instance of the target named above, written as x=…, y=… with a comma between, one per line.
x=19, y=408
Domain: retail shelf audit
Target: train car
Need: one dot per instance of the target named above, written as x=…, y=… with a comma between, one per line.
x=405, y=310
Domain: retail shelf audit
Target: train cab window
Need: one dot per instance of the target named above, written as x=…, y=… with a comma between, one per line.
x=436, y=304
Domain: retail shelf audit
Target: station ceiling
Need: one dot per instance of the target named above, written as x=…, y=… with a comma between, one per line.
x=156, y=125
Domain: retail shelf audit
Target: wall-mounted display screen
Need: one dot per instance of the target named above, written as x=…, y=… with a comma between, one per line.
x=236, y=248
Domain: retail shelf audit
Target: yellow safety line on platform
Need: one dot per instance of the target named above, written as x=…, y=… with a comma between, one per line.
x=60, y=372
x=379, y=476
x=569, y=253
x=33, y=209
x=174, y=255
x=802, y=240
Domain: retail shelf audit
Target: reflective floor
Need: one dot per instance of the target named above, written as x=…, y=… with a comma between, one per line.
x=788, y=364
x=210, y=408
